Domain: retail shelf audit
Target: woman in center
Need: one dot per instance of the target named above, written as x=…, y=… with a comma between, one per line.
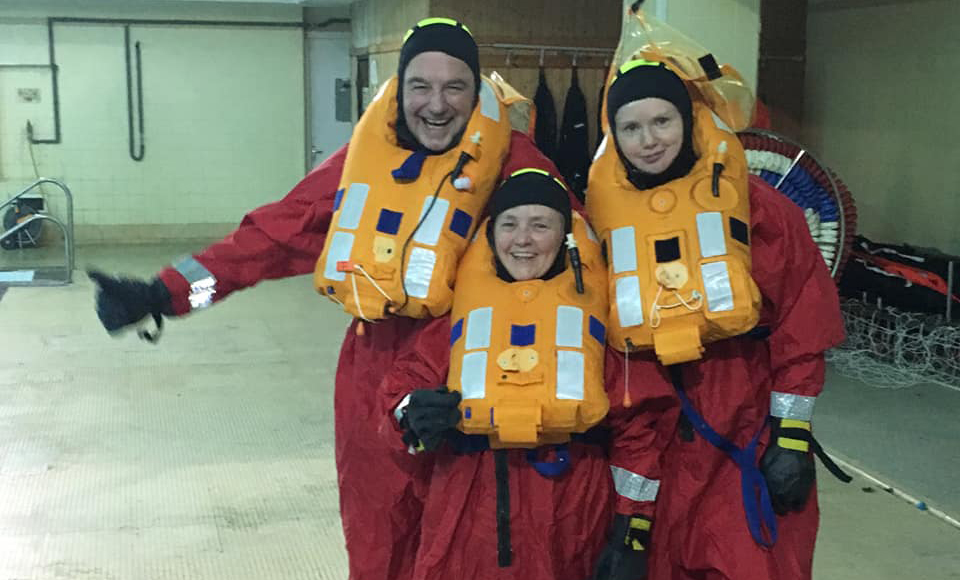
x=504, y=396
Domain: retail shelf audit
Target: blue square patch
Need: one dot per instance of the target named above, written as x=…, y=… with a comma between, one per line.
x=598, y=330
x=337, y=199
x=522, y=335
x=456, y=331
x=389, y=222
x=460, y=223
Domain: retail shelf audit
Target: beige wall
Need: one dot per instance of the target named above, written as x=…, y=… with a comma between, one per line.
x=224, y=115
x=881, y=109
x=730, y=29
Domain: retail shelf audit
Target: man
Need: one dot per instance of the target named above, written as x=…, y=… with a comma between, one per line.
x=438, y=92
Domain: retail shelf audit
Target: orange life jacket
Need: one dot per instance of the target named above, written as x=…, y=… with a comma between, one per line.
x=679, y=254
x=395, y=244
x=528, y=356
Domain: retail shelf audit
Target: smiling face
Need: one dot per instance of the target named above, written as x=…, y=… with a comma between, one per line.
x=438, y=98
x=649, y=133
x=527, y=239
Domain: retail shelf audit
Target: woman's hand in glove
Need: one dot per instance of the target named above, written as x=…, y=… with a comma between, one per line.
x=788, y=465
x=625, y=555
x=429, y=415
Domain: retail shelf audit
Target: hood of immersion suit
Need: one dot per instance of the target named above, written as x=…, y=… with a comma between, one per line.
x=528, y=187
x=642, y=82
x=444, y=35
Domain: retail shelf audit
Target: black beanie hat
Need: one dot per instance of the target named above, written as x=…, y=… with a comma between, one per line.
x=526, y=187
x=441, y=35
x=641, y=79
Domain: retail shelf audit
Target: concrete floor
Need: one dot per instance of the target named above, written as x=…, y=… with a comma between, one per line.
x=210, y=455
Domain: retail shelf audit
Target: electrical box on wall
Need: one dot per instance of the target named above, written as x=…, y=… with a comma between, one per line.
x=28, y=95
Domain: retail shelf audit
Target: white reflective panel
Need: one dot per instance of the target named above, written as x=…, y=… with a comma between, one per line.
x=570, y=369
x=720, y=124
x=191, y=269
x=569, y=326
x=351, y=208
x=489, y=105
x=478, y=328
x=716, y=283
x=633, y=485
x=629, y=302
x=419, y=272
x=202, y=292
x=601, y=148
x=624, y=248
x=473, y=375
x=710, y=230
x=340, y=246
x=592, y=234
x=432, y=225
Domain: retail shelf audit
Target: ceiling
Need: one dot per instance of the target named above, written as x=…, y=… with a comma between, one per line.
x=307, y=3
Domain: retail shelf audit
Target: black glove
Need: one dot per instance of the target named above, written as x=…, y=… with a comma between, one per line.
x=428, y=416
x=125, y=301
x=625, y=555
x=788, y=465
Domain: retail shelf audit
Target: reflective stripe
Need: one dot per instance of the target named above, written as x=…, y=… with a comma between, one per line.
x=570, y=369
x=592, y=235
x=419, y=272
x=341, y=244
x=710, y=230
x=624, y=250
x=633, y=486
x=473, y=375
x=489, y=105
x=398, y=412
x=629, y=302
x=716, y=283
x=478, y=328
x=429, y=231
x=795, y=424
x=201, y=293
x=380, y=91
x=192, y=270
x=601, y=148
x=203, y=284
x=720, y=124
x=354, y=201
x=787, y=406
x=795, y=444
x=569, y=326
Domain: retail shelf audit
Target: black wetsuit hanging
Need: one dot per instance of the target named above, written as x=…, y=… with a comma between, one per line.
x=573, y=156
x=545, y=130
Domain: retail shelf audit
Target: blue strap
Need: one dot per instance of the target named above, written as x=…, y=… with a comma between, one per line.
x=756, y=497
x=410, y=169
x=464, y=444
x=551, y=468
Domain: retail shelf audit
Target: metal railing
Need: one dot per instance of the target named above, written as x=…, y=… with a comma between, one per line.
x=65, y=229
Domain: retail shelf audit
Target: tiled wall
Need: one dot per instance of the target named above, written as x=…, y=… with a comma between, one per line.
x=881, y=109
x=224, y=117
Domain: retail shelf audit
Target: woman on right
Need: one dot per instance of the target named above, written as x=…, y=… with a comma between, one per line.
x=719, y=294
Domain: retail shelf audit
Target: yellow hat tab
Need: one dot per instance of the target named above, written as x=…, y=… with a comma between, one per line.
x=436, y=20
x=538, y=171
